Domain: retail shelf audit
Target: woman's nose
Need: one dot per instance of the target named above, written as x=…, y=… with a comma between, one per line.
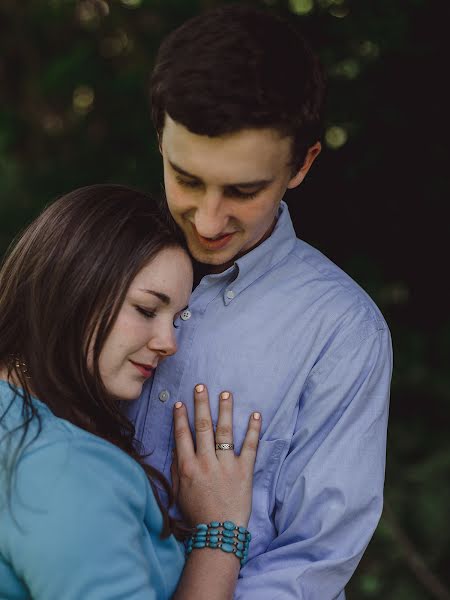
x=164, y=343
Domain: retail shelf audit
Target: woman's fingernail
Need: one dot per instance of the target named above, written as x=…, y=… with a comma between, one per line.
x=178, y=404
x=199, y=387
x=225, y=395
x=256, y=416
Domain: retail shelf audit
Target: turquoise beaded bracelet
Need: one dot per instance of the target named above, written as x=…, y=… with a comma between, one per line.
x=227, y=536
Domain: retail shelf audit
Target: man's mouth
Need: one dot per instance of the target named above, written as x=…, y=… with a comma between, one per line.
x=145, y=370
x=216, y=243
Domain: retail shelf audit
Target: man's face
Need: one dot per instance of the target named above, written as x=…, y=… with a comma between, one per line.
x=224, y=191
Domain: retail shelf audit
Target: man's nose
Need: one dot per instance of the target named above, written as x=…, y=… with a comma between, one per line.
x=210, y=219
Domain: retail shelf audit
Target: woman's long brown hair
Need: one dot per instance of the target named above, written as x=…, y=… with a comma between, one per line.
x=62, y=285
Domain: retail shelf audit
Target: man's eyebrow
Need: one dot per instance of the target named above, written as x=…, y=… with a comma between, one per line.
x=182, y=171
x=246, y=184
x=163, y=297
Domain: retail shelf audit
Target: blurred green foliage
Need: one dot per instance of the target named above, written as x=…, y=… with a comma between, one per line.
x=74, y=111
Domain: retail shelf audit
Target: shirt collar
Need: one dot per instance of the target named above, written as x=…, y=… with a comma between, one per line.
x=251, y=266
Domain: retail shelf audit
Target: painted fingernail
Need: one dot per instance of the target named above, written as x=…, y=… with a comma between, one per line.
x=178, y=404
x=256, y=416
x=199, y=387
x=225, y=395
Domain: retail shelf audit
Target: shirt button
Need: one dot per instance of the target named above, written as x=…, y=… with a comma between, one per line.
x=164, y=396
x=185, y=315
x=230, y=294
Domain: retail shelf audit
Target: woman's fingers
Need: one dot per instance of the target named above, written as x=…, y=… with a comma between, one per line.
x=250, y=445
x=204, y=433
x=182, y=434
x=224, y=428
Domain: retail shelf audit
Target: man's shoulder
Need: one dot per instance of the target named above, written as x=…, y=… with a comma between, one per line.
x=310, y=260
x=308, y=277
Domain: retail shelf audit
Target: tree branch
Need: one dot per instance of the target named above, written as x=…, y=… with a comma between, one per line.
x=413, y=559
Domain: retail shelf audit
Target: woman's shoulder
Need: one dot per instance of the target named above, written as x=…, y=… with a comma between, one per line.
x=81, y=510
x=59, y=462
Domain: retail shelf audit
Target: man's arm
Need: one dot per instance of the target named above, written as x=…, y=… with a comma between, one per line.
x=329, y=494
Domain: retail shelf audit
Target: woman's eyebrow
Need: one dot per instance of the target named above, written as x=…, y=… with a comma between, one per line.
x=163, y=297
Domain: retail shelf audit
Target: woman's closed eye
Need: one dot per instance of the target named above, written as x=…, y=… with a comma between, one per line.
x=147, y=314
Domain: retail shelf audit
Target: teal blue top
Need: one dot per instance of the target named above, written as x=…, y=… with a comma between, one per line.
x=84, y=523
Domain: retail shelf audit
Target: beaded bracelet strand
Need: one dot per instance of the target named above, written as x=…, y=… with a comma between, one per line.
x=227, y=536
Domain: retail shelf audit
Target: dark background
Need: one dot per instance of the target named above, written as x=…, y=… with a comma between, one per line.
x=74, y=111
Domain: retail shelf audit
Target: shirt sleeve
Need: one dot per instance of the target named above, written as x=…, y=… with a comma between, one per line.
x=76, y=526
x=329, y=493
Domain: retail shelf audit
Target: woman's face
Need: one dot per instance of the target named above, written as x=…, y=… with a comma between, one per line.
x=143, y=333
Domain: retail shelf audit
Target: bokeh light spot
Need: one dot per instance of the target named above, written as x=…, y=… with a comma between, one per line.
x=83, y=99
x=370, y=584
x=90, y=11
x=115, y=44
x=347, y=69
x=53, y=124
x=301, y=7
x=335, y=137
x=131, y=3
x=394, y=293
x=369, y=49
x=339, y=11
x=328, y=3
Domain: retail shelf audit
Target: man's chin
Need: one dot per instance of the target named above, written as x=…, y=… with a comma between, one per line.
x=212, y=261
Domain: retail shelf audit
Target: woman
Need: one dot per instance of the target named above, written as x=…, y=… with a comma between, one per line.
x=88, y=299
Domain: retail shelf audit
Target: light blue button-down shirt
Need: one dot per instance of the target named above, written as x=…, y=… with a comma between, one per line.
x=295, y=338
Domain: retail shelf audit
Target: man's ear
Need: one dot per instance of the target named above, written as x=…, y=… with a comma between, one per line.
x=311, y=155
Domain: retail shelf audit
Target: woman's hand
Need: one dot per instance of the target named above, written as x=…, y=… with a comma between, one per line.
x=210, y=484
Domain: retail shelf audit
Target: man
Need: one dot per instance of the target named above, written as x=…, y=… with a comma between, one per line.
x=237, y=101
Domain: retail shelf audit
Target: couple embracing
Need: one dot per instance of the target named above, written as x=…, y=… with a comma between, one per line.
x=193, y=401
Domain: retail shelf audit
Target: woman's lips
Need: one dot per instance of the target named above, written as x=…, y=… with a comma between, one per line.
x=145, y=370
x=213, y=244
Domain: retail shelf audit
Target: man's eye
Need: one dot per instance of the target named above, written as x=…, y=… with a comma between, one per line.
x=188, y=182
x=235, y=193
x=148, y=314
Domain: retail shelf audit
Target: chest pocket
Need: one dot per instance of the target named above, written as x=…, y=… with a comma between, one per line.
x=269, y=460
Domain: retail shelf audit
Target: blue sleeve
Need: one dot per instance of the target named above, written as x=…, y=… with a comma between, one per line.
x=79, y=527
x=329, y=493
